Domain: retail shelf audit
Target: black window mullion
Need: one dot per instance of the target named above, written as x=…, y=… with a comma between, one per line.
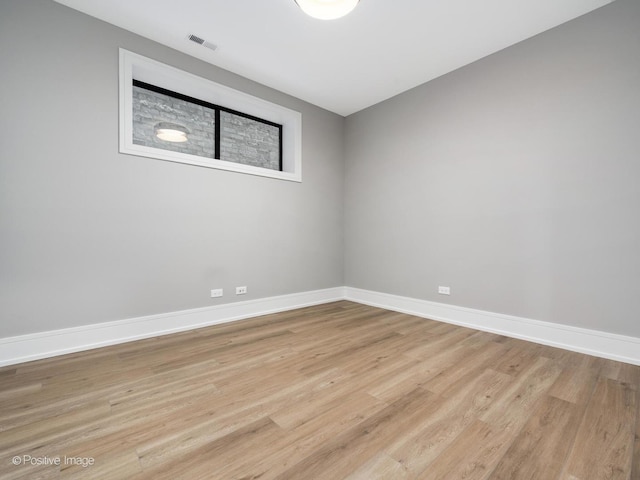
x=217, y=135
x=280, y=147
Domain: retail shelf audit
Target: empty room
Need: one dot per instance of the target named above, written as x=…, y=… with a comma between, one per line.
x=320, y=239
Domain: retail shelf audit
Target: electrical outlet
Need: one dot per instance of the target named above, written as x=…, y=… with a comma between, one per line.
x=241, y=290
x=444, y=290
x=216, y=293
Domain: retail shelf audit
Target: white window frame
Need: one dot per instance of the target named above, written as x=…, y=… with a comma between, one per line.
x=134, y=66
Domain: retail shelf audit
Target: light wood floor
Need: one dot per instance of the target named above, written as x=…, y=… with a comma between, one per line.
x=338, y=391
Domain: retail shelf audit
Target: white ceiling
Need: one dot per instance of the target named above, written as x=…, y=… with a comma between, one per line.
x=384, y=47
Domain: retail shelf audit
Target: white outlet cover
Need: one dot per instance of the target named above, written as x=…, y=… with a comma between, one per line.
x=444, y=290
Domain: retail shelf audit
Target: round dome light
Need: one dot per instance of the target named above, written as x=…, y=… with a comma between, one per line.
x=327, y=9
x=171, y=132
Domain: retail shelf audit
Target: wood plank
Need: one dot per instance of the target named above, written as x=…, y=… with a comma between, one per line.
x=221, y=417
x=514, y=406
x=123, y=465
x=21, y=439
x=11, y=392
x=540, y=449
x=519, y=357
x=472, y=456
x=443, y=358
x=344, y=454
x=635, y=467
x=444, y=337
x=477, y=360
x=604, y=444
x=305, y=439
x=320, y=401
x=201, y=462
x=380, y=467
x=625, y=373
x=430, y=435
x=576, y=383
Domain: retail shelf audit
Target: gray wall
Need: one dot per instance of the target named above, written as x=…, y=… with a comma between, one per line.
x=514, y=180
x=88, y=235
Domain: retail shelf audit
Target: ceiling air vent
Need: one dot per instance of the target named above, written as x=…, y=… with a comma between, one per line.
x=202, y=41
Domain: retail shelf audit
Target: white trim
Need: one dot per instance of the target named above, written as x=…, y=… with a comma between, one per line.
x=35, y=346
x=151, y=71
x=591, y=342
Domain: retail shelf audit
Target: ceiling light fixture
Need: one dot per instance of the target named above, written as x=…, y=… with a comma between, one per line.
x=171, y=132
x=327, y=9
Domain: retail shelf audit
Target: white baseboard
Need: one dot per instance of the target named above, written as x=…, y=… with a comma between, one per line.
x=592, y=342
x=35, y=346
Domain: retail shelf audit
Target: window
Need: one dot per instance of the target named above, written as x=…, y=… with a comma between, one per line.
x=172, y=115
